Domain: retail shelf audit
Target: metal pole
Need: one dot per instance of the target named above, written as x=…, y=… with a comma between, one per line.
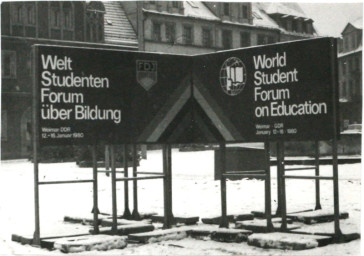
x=127, y=214
x=224, y=221
x=268, y=206
x=107, y=157
x=167, y=206
x=169, y=159
x=279, y=184
x=36, y=236
x=317, y=173
x=113, y=190
x=95, y=192
x=335, y=99
x=283, y=184
x=336, y=191
x=135, y=214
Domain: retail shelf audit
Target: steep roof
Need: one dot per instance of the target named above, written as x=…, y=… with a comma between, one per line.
x=261, y=19
x=117, y=28
x=197, y=9
x=292, y=9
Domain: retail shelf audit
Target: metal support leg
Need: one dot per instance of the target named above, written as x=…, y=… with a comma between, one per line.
x=113, y=190
x=135, y=214
x=268, y=206
x=168, y=218
x=95, y=192
x=127, y=214
x=280, y=160
x=279, y=185
x=338, y=234
x=317, y=173
x=36, y=236
x=224, y=221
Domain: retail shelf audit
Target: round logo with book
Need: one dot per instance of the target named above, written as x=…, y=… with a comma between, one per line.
x=233, y=76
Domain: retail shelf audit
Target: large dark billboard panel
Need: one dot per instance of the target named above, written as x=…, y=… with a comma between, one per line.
x=89, y=95
x=278, y=92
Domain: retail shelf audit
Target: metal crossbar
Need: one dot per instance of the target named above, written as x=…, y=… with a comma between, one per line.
x=246, y=172
x=301, y=168
x=141, y=178
x=263, y=176
x=308, y=177
x=63, y=182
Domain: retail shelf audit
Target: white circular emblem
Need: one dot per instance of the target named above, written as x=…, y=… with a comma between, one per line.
x=233, y=76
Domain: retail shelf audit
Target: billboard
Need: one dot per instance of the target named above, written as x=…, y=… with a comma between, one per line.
x=282, y=91
x=275, y=92
x=87, y=95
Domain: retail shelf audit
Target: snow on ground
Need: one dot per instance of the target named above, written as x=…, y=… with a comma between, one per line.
x=195, y=193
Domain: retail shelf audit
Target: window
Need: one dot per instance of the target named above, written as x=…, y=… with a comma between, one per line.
x=95, y=21
x=8, y=64
x=175, y=4
x=187, y=34
x=206, y=37
x=244, y=39
x=226, y=9
x=353, y=41
x=245, y=12
x=17, y=17
x=30, y=14
x=152, y=2
x=67, y=16
x=262, y=39
x=227, y=39
x=4, y=125
x=55, y=15
x=170, y=32
x=156, y=32
x=294, y=26
x=271, y=40
x=343, y=68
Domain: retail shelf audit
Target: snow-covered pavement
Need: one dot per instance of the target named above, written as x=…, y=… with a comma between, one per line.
x=194, y=193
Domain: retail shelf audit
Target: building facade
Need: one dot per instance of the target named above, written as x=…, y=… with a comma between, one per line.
x=350, y=74
x=69, y=23
x=188, y=27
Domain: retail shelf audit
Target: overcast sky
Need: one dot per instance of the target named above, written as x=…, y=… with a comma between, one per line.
x=331, y=18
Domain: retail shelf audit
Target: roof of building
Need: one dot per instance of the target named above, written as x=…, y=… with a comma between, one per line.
x=343, y=54
x=260, y=18
x=357, y=23
x=117, y=27
x=197, y=9
x=291, y=9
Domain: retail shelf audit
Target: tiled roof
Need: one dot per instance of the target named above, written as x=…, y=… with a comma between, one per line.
x=118, y=29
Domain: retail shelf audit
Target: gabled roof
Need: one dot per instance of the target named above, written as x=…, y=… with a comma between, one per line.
x=117, y=27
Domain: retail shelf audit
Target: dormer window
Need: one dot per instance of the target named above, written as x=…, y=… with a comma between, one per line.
x=55, y=15
x=175, y=4
x=95, y=21
x=245, y=12
x=226, y=9
x=17, y=14
x=30, y=14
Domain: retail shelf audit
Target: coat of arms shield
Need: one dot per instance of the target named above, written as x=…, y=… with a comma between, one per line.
x=146, y=73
